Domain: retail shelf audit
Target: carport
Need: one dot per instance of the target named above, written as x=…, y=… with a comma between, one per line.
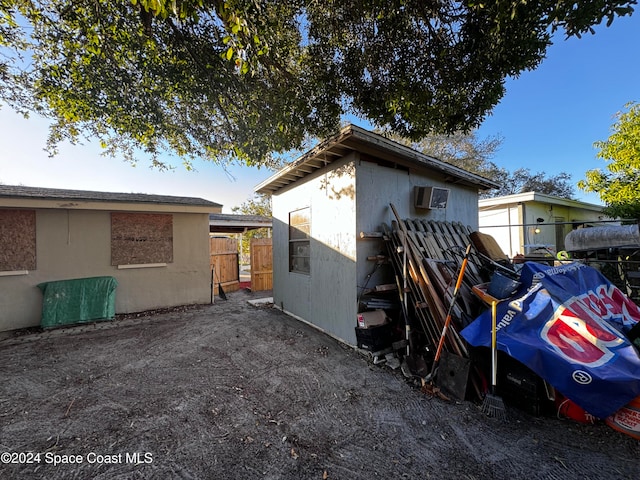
x=226, y=235
x=226, y=223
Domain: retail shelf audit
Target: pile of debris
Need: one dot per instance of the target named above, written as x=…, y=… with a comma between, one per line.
x=427, y=257
x=612, y=249
x=567, y=338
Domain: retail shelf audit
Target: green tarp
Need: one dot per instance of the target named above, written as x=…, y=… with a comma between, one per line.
x=78, y=300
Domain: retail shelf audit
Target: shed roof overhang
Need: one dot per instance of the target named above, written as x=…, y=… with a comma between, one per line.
x=371, y=146
x=230, y=223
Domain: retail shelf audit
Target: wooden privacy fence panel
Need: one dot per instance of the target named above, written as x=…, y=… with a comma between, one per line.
x=225, y=262
x=261, y=264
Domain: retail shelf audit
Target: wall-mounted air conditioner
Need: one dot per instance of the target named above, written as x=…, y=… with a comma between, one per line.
x=431, y=197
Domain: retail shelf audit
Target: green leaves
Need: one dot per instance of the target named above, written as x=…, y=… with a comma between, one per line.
x=523, y=180
x=619, y=188
x=578, y=18
x=239, y=80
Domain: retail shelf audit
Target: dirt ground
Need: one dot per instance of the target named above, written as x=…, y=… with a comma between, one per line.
x=233, y=391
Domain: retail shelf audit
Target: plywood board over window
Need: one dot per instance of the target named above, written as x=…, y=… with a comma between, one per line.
x=17, y=240
x=141, y=238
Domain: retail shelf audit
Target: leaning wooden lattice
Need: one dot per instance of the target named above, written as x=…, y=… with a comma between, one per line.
x=434, y=253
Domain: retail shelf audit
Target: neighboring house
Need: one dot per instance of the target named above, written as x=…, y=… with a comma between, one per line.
x=324, y=199
x=534, y=223
x=156, y=247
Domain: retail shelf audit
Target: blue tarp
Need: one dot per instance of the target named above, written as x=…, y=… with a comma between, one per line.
x=568, y=325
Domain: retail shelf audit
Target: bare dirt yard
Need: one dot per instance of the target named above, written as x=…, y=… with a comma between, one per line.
x=232, y=391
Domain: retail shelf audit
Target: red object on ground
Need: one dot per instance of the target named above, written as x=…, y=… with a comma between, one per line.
x=573, y=411
x=627, y=419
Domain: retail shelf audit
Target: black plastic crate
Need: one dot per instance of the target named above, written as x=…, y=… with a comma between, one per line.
x=634, y=336
x=521, y=387
x=375, y=338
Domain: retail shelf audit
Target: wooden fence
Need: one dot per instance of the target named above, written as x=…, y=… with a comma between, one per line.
x=225, y=262
x=261, y=264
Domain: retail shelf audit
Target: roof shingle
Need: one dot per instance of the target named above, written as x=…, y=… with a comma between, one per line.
x=19, y=191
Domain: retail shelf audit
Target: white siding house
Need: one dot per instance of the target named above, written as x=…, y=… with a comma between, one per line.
x=533, y=223
x=324, y=199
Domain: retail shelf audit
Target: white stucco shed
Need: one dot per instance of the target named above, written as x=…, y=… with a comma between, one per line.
x=156, y=247
x=344, y=186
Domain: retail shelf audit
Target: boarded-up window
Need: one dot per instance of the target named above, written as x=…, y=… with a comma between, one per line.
x=300, y=241
x=17, y=240
x=141, y=238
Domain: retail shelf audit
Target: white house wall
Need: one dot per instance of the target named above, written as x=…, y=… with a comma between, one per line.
x=544, y=240
x=378, y=186
x=523, y=217
x=327, y=296
x=503, y=224
x=76, y=244
x=552, y=215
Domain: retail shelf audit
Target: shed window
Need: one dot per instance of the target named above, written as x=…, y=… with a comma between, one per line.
x=141, y=238
x=300, y=241
x=17, y=240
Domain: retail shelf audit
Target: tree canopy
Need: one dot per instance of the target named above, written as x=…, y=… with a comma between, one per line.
x=258, y=204
x=618, y=187
x=523, y=180
x=464, y=150
x=474, y=154
x=240, y=79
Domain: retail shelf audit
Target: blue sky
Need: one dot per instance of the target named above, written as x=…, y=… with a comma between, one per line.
x=551, y=116
x=549, y=119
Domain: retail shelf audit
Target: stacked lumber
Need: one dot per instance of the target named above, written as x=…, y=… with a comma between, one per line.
x=427, y=257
